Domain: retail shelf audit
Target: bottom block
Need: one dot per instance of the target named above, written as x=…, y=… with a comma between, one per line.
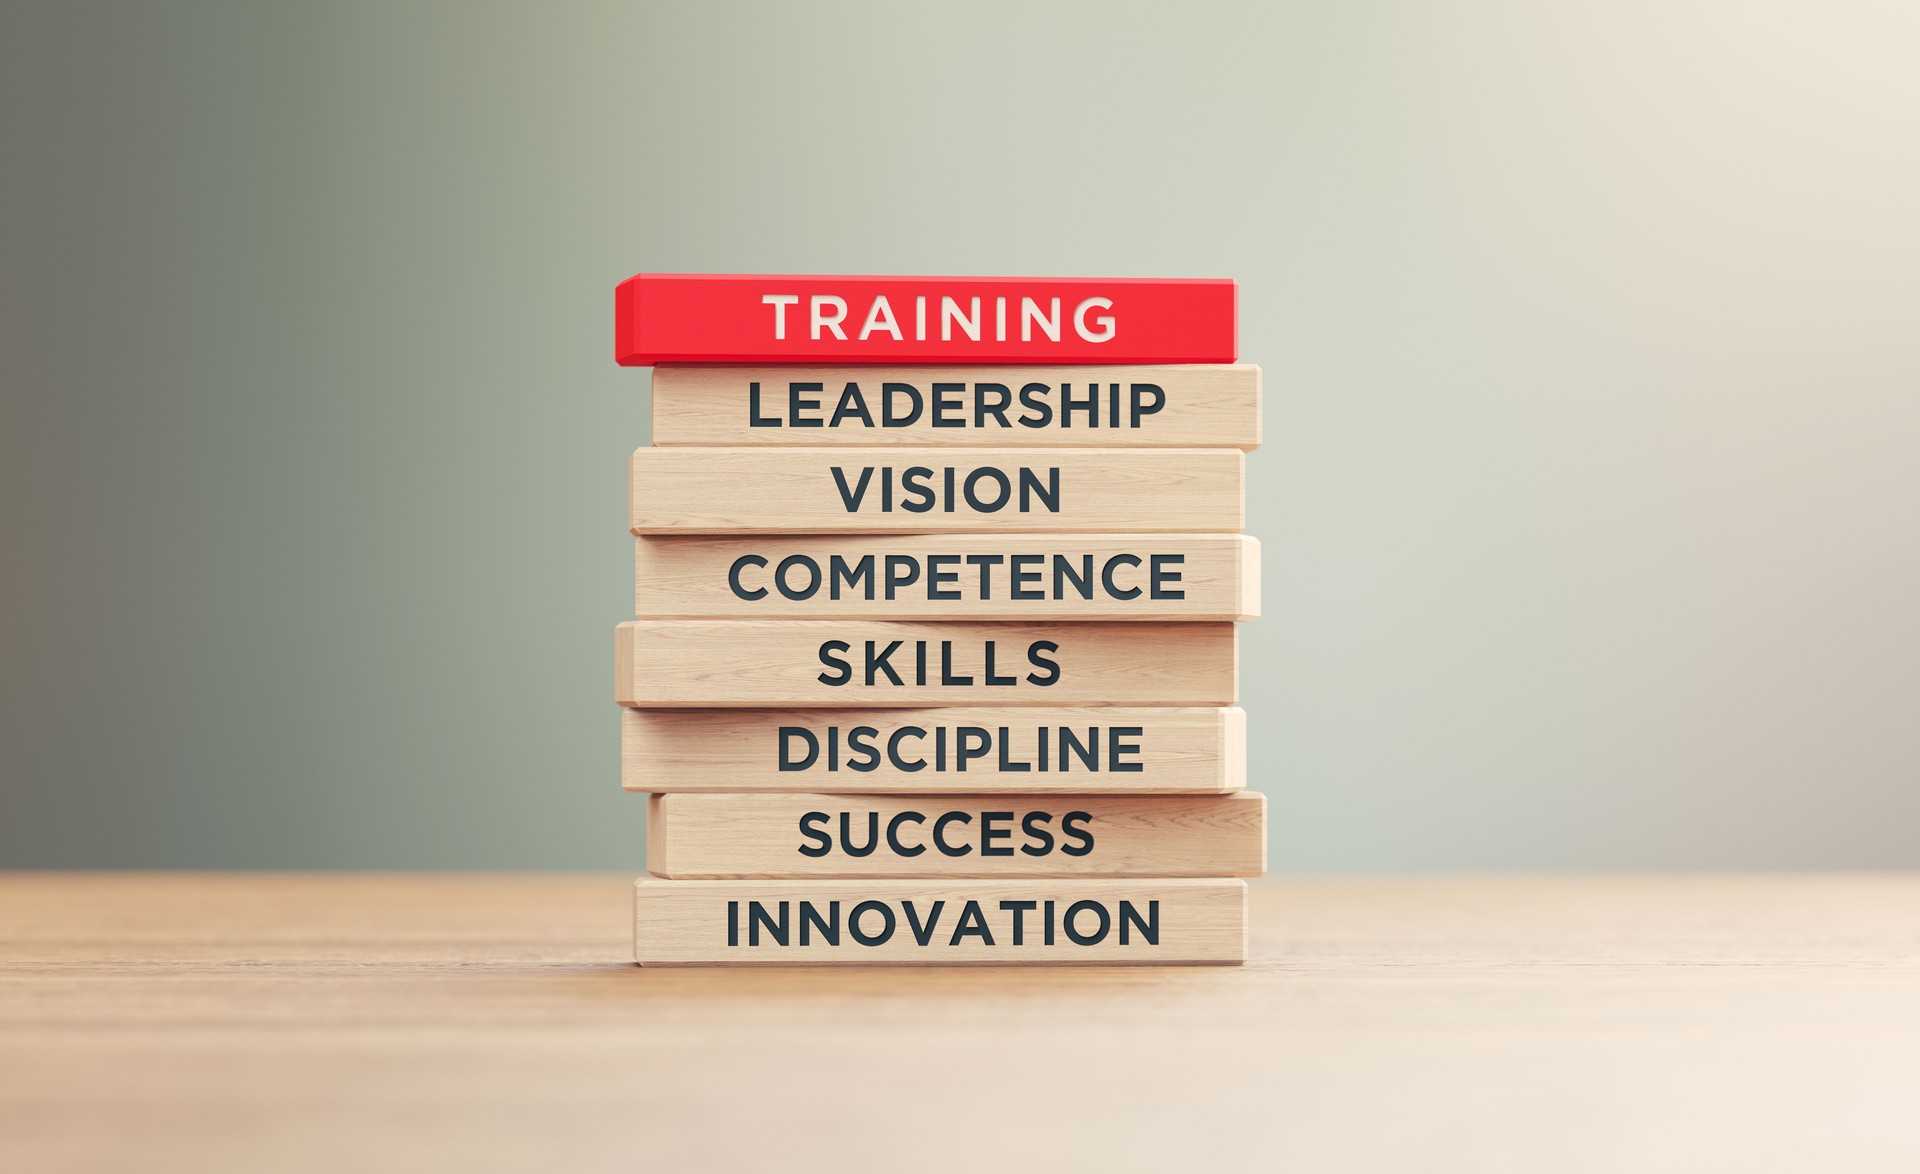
x=939, y=923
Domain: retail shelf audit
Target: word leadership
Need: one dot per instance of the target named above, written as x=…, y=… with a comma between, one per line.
x=959, y=405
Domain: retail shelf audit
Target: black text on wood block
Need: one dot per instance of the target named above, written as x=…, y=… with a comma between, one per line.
x=1069, y=750
x=1184, y=406
x=1088, y=921
x=702, y=663
x=694, y=836
x=960, y=576
x=917, y=490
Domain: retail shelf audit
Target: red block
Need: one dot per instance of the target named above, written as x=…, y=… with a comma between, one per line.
x=742, y=318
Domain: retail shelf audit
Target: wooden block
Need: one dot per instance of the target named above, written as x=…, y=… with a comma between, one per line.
x=1150, y=750
x=1087, y=921
x=956, y=577
x=759, y=318
x=763, y=836
x=1191, y=406
x=916, y=490
x=735, y=663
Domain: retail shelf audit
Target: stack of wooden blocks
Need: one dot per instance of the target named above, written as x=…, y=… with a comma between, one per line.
x=937, y=585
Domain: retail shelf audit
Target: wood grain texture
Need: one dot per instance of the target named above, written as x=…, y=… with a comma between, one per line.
x=794, y=490
x=879, y=922
x=1177, y=750
x=1193, y=405
x=701, y=837
x=740, y=663
x=928, y=577
x=320, y=1023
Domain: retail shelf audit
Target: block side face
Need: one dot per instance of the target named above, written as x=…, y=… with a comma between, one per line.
x=1249, y=577
x=636, y=753
x=1233, y=319
x=636, y=489
x=657, y=838
x=640, y=897
x=626, y=346
x=1260, y=842
x=1259, y=409
x=624, y=691
x=1234, y=745
x=1241, y=915
x=1240, y=491
x=1233, y=667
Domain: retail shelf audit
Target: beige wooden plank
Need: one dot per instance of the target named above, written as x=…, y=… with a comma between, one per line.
x=807, y=836
x=296, y=1022
x=959, y=577
x=1180, y=406
x=979, y=922
x=921, y=490
x=1068, y=750
x=738, y=663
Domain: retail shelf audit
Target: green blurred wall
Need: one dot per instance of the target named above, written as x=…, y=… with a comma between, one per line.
x=1590, y=502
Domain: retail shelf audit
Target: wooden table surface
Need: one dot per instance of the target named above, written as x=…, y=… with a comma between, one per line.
x=353, y=1022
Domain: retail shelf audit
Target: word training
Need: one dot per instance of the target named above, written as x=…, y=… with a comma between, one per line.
x=959, y=405
x=764, y=318
x=827, y=314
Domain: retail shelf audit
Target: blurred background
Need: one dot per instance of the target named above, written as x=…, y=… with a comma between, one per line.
x=1591, y=488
